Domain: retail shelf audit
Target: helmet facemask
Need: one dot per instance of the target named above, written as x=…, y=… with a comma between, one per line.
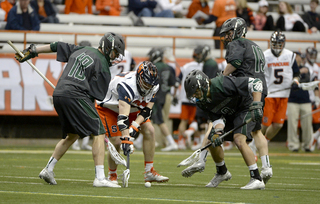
x=277, y=43
x=113, y=47
x=311, y=54
x=147, y=77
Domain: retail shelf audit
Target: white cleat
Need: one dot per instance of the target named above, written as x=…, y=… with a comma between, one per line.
x=86, y=147
x=104, y=183
x=153, y=176
x=254, y=184
x=199, y=166
x=266, y=174
x=48, y=176
x=169, y=148
x=218, y=178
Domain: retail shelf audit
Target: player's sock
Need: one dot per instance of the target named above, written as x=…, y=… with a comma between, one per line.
x=85, y=141
x=221, y=168
x=112, y=171
x=254, y=171
x=265, y=161
x=148, y=165
x=51, y=163
x=100, y=172
x=170, y=139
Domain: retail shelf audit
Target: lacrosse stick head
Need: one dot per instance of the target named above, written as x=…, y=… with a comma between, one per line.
x=116, y=157
x=125, y=178
x=191, y=160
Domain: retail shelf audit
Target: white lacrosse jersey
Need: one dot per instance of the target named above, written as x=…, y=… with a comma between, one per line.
x=278, y=72
x=128, y=81
x=185, y=71
x=314, y=75
x=123, y=66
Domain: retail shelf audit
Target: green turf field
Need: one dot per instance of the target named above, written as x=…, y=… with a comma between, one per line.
x=296, y=179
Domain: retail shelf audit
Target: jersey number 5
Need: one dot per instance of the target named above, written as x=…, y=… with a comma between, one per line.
x=259, y=59
x=81, y=63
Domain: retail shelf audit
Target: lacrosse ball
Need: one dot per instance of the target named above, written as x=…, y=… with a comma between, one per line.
x=147, y=184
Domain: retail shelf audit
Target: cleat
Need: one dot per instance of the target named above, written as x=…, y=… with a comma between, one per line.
x=218, y=178
x=113, y=178
x=48, y=176
x=266, y=174
x=75, y=146
x=198, y=166
x=104, y=183
x=170, y=148
x=153, y=176
x=86, y=147
x=254, y=184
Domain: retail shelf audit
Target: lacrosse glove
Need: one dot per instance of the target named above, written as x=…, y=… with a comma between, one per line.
x=256, y=111
x=295, y=84
x=214, y=137
x=28, y=53
x=174, y=101
x=134, y=129
x=127, y=145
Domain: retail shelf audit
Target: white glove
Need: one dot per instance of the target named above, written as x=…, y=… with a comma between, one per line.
x=127, y=145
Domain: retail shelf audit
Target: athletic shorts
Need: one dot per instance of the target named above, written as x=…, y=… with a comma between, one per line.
x=236, y=120
x=188, y=112
x=109, y=120
x=274, y=111
x=78, y=116
x=156, y=116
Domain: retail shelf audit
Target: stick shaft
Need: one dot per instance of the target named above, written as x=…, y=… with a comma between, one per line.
x=30, y=63
x=279, y=90
x=313, y=112
x=128, y=161
x=228, y=133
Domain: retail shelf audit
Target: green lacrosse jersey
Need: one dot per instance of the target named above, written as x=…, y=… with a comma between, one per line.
x=210, y=68
x=228, y=96
x=86, y=73
x=248, y=59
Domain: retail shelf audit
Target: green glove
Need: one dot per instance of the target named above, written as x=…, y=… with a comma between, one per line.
x=214, y=137
x=28, y=53
x=256, y=111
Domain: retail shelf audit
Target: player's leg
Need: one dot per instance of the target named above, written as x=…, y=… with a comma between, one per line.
x=148, y=151
x=85, y=143
x=76, y=145
x=292, y=124
x=248, y=156
x=306, y=126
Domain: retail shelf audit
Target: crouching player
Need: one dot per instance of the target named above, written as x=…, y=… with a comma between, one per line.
x=234, y=100
x=129, y=100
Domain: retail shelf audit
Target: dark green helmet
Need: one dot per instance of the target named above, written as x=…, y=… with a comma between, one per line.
x=196, y=79
x=237, y=25
x=200, y=53
x=110, y=42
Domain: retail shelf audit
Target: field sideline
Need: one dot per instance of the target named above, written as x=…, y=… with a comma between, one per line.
x=296, y=179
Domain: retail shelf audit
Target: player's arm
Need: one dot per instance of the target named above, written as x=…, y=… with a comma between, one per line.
x=215, y=130
x=229, y=69
x=32, y=51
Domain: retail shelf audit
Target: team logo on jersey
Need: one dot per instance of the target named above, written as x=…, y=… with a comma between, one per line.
x=227, y=111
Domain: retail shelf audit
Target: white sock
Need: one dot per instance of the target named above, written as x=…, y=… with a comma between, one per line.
x=100, y=172
x=220, y=163
x=148, y=167
x=265, y=161
x=253, y=166
x=52, y=162
x=316, y=134
x=170, y=139
x=76, y=143
x=85, y=141
x=203, y=155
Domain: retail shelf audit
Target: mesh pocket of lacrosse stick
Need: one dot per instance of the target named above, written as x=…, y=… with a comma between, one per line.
x=125, y=178
x=116, y=157
x=191, y=160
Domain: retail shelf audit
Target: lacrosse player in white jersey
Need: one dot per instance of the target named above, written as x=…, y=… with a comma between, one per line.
x=130, y=100
x=281, y=72
x=126, y=65
x=188, y=108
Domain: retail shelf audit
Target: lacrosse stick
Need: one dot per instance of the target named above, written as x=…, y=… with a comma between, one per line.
x=116, y=157
x=30, y=63
x=196, y=155
x=304, y=86
x=126, y=173
x=305, y=115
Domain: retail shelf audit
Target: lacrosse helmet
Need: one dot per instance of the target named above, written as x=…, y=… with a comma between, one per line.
x=311, y=55
x=200, y=53
x=237, y=25
x=277, y=42
x=156, y=55
x=147, y=77
x=195, y=80
x=112, y=42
